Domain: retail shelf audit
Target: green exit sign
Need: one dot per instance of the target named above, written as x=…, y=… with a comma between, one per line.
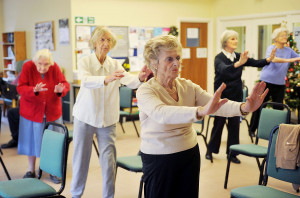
x=84, y=20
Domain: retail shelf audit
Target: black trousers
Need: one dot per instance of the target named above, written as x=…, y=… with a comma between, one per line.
x=216, y=133
x=13, y=116
x=172, y=175
x=276, y=94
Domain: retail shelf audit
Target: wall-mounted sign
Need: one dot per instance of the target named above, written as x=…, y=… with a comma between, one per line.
x=84, y=20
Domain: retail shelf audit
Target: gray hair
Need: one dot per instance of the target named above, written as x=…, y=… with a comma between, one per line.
x=155, y=45
x=98, y=32
x=226, y=35
x=277, y=31
x=43, y=53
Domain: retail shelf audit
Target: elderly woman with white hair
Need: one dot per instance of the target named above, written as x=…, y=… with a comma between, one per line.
x=41, y=86
x=274, y=74
x=96, y=110
x=228, y=69
x=168, y=107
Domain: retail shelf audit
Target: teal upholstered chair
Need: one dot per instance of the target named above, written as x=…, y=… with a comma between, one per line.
x=268, y=119
x=53, y=160
x=126, y=95
x=133, y=164
x=263, y=191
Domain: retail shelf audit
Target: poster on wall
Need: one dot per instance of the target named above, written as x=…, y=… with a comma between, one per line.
x=44, y=35
x=83, y=35
x=64, y=33
x=121, y=48
x=138, y=36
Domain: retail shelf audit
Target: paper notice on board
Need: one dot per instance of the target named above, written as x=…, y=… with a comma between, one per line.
x=201, y=53
x=186, y=53
x=192, y=33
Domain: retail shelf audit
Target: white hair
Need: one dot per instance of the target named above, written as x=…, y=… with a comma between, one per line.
x=43, y=53
x=226, y=35
x=277, y=31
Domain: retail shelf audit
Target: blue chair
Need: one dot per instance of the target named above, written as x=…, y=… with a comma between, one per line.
x=268, y=119
x=53, y=160
x=133, y=164
x=126, y=95
x=263, y=191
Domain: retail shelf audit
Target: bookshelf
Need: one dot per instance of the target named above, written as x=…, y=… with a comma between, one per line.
x=14, y=49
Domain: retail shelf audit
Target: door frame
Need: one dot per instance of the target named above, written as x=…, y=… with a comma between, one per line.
x=210, y=44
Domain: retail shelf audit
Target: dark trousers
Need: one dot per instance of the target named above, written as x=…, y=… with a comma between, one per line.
x=172, y=175
x=276, y=94
x=216, y=133
x=13, y=116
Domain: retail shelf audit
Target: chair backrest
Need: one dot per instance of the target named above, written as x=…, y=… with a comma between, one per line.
x=269, y=118
x=54, y=152
x=288, y=175
x=125, y=97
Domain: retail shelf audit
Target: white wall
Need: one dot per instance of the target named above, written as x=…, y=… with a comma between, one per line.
x=23, y=15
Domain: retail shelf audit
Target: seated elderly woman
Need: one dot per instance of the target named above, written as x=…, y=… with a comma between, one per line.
x=168, y=107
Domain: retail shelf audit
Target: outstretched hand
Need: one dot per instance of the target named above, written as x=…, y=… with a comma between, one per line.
x=254, y=101
x=59, y=88
x=243, y=59
x=144, y=73
x=40, y=87
x=118, y=74
x=214, y=103
x=272, y=55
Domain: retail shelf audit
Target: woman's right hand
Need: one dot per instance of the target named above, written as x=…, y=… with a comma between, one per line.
x=214, y=103
x=39, y=87
x=243, y=59
x=114, y=76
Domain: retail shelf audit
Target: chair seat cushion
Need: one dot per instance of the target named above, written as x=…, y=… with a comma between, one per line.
x=250, y=150
x=259, y=191
x=124, y=113
x=131, y=163
x=29, y=187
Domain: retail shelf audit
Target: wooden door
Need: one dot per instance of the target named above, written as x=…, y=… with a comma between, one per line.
x=194, y=43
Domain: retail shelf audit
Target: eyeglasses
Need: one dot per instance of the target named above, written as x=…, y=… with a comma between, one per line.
x=102, y=40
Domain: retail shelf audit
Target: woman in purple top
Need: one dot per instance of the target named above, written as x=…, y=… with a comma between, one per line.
x=274, y=73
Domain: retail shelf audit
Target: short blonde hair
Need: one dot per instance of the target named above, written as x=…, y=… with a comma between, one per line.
x=277, y=31
x=43, y=53
x=226, y=35
x=98, y=32
x=155, y=45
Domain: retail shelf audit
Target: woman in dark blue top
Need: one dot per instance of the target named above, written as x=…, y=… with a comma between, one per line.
x=228, y=69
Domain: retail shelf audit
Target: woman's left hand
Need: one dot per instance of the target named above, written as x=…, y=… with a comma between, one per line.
x=144, y=73
x=254, y=101
x=59, y=88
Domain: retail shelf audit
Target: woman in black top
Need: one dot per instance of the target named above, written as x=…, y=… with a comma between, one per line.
x=228, y=69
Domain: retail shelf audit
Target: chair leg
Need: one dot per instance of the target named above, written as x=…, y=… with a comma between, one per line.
x=227, y=170
x=5, y=170
x=137, y=132
x=141, y=187
x=95, y=146
x=122, y=127
x=261, y=172
x=211, y=160
x=248, y=125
